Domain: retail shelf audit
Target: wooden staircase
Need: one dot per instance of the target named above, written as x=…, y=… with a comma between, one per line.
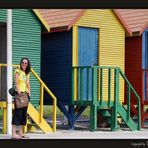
x=127, y=119
x=113, y=106
x=105, y=118
x=42, y=124
x=36, y=116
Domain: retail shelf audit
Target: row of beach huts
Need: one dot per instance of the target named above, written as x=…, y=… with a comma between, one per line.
x=86, y=57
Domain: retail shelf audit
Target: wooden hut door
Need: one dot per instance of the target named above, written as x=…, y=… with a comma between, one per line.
x=145, y=62
x=3, y=59
x=87, y=56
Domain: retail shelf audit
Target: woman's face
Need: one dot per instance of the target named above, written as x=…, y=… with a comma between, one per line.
x=24, y=64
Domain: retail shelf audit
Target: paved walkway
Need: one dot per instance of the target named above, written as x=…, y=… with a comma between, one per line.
x=77, y=134
x=82, y=132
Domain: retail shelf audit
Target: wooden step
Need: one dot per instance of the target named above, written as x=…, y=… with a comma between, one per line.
x=43, y=125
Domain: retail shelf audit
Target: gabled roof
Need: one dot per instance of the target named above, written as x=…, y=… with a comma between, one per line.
x=136, y=20
x=60, y=19
x=63, y=19
x=41, y=19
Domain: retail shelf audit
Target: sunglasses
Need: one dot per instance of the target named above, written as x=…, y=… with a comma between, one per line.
x=24, y=63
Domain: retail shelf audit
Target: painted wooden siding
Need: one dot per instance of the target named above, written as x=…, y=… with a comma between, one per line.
x=111, y=40
x=133, y=64
x=3, y=15
x=56, y=65
x=26, y=43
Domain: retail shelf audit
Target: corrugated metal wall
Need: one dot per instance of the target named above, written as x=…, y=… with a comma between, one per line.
x=133, y=64
x=3, y=15
x=56, y=65
x=27, y=43
x=111, y=39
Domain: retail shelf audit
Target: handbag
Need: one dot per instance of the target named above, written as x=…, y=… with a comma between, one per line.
x=21, y=100
x=12, y=91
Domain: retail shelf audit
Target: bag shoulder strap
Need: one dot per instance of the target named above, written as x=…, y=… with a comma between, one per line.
x=13, y=80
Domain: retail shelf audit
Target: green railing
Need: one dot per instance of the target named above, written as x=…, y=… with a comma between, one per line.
x=101, y=85
x=93, y=79
x=130, y=88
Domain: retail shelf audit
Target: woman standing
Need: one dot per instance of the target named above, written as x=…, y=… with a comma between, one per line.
x=22, y=82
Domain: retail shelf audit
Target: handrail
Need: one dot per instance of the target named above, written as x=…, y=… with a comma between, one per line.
x=79, y=71
x=130, y=87
x=105, y=67
x=5, y=65
x=124, y=77
x=43, y=86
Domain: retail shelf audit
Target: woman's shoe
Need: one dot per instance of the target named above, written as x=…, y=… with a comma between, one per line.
x=16, y=137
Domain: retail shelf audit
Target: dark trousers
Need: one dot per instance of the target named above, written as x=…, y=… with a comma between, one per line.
x=19, y=116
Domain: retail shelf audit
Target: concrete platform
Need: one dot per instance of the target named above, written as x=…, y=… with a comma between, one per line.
x=82, y=132
x=76, y=134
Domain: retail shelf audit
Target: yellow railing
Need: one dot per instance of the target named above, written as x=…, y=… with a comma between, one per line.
x=42, y=87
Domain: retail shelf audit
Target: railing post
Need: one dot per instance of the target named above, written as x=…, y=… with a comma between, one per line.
x=116, y=97
x=88, y=83
x=95, y=84
x=81, y=85
x=101, y=85
x=41, y=101
x=73, y=69
x=109, y=87
x=74, y=84
x=54, y=114
x=93, y=107
x=139, y=114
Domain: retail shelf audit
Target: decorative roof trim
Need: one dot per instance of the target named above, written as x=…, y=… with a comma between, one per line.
x=42, y=19
x=136, y=33
x=123, y=22
x=76, y=18
x=57, y=29
x=143, y=28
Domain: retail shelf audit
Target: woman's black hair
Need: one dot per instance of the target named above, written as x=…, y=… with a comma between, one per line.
x=28, y=68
